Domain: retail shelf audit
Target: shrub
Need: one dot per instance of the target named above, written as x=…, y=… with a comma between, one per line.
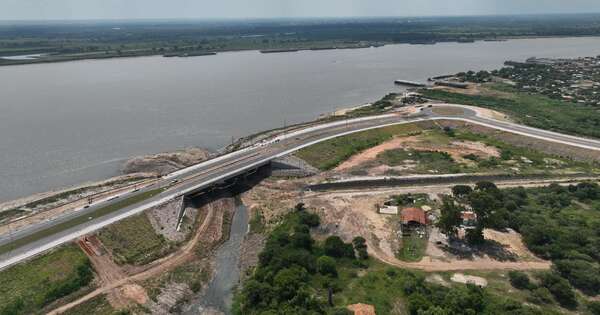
x=519, y=280
x=335, y=247
x=310, y=219
x=594, y=307
x=461, y=190
x=541, y=296
x=326, y=266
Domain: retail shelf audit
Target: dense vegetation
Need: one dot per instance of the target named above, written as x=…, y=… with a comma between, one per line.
x=531, y=109
x=296, y=274
x=27, y=288
x=557, y=223
x=105, y=39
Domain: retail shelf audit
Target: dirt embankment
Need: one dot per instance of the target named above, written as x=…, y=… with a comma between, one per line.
x=164, y=163
x=126, y=284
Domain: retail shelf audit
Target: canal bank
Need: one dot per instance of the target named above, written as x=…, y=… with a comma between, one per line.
x=218, y=296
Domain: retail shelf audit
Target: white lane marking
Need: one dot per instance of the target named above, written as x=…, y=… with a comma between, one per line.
x=131, y=212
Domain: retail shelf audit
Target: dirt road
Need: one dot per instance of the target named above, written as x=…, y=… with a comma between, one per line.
x=210, y=230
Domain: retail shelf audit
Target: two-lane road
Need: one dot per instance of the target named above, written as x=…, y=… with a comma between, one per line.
x=20, y=245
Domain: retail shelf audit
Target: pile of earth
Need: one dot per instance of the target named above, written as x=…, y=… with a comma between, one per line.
x=165, y=163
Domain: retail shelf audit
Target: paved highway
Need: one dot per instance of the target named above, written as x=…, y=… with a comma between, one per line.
x=20, y=245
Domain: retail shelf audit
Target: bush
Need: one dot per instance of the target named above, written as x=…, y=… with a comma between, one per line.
x=310, y=219
x=594, y=307
x=360, y=245
x=581, y=274
x=519, y=280
x=541, y=296
x=335, y=247
x=485, y=186
x=326, y=266
x=560, y=289
x=341, y=311
x=461, y=190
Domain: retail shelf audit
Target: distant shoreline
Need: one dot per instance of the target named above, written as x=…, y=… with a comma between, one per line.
x=54, y=58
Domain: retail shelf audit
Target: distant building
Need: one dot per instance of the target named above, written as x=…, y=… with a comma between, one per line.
x=362, y=309
x=469, y=218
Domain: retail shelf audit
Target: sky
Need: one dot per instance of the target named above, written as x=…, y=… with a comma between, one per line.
x=198, y=9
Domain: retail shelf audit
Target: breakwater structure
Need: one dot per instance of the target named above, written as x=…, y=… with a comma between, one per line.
x=410, y=83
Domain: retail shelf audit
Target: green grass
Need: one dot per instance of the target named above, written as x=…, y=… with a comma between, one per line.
x=134, y=241
x=26, y=288
x=79, y=220
x=531, y=109
x=413, y=248
x=329, y=154
x=440, y=162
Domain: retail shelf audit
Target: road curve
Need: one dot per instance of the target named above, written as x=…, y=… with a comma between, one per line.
x=204, y=174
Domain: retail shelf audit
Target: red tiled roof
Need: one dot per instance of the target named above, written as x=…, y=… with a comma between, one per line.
x=413, y=215
x=362, y=309
x=468, y=215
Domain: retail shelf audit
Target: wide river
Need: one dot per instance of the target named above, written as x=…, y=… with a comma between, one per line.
x=66, y=123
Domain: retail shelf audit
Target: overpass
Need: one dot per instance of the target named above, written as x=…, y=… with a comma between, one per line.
x=25, y=243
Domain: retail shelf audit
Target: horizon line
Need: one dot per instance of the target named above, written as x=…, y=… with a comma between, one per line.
x=198, y=19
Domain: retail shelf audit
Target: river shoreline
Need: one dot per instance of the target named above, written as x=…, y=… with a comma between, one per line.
x=55, y=58
x=93, y=124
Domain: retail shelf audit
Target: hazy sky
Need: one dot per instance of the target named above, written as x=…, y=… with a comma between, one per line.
x=124, y=9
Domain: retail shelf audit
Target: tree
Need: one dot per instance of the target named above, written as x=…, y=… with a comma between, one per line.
x=310, y=219
x=288, y=281
x=418, y=303
x=335, y=247
x=594, y=307
x=360, y=245
x=450, y=217
x=485, y=186
x=302, y=240
x=560, y=289
x=461, y=190
x=475, y=236
x=519, y=280
x=326, y=266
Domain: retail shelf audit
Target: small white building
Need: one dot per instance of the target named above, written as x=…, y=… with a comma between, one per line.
x=388, y=209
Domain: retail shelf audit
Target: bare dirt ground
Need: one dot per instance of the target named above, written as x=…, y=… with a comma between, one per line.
x=353, y=214
x=372, y=153
x=367, y=160
x=108, y=272
x=274, y=197
x=209, y=232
